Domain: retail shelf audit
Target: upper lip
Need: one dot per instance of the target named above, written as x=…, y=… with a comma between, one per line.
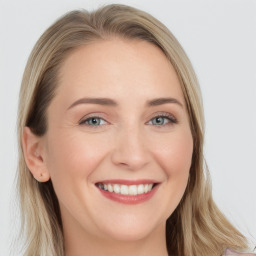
x=128, y=182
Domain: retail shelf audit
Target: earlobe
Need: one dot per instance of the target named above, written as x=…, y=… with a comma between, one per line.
x=34, y=155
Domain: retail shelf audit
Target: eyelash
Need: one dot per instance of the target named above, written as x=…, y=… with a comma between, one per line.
x=171, y=120
x=85, y=121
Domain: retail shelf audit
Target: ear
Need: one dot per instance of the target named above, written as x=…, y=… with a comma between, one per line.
x=34, y=155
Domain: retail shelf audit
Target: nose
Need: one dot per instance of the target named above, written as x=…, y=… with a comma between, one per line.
x=130, y=150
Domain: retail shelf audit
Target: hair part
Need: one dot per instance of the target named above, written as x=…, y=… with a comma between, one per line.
x=196, y=227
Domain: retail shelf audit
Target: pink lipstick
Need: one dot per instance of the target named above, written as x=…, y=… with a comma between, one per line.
x=128, y=191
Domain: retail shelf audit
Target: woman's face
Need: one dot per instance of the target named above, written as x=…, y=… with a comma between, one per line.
x=118, y=122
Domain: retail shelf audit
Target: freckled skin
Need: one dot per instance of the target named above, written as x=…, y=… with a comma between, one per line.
x=126, y=146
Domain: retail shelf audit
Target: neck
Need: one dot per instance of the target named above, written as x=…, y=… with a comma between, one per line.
x=153, y=244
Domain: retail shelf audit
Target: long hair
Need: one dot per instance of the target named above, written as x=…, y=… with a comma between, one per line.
x=196, y=227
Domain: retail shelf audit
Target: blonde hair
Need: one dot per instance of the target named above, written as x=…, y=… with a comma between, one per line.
x=196, y=227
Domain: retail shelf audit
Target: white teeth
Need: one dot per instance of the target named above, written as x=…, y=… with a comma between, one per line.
x=116, y=189
x=133, y=190
x=141, y=189
x=110, y=188
x=124, y=190
x=127, y=190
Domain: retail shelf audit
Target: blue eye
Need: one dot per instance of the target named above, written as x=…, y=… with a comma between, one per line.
x=159, y=120
x=162, y=120
x=93, y=121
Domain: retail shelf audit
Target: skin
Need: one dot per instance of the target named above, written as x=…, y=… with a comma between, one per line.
x=127, y=144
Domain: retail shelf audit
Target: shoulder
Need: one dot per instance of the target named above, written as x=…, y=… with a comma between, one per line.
x=231, y=252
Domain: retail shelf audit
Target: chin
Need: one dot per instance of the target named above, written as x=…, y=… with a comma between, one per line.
x=130, y=229
x=128, y=235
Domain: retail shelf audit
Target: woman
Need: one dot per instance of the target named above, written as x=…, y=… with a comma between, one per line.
x=111, y=137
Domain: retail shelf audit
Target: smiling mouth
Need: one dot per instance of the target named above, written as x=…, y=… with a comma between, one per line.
x=131, y=190
x=128, y=191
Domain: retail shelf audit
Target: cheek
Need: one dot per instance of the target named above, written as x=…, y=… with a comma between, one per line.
x=72, y=157
x=175, y=154
x=175, y=159
x=71, y=163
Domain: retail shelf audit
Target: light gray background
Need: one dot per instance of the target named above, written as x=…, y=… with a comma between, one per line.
x=219, y=37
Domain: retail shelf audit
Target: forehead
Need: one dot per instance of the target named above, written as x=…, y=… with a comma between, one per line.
x=119, y=68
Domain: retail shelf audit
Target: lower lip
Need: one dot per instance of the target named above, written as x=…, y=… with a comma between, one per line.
x=128, y=199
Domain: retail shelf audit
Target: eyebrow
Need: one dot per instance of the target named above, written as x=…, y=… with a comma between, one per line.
x=110, y=102
x=98, y=101
x=161, y=101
